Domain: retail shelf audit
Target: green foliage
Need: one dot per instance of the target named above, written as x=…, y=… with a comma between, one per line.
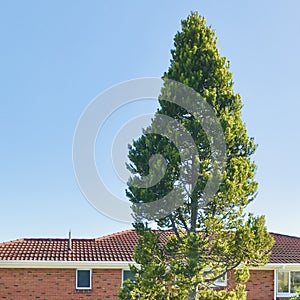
x=296, y=297
x=217, y=236
x=238, y=293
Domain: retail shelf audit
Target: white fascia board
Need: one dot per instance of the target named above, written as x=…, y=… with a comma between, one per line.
x=278, y=266
x=275, y=266
x=65, y=264
x=285, y=266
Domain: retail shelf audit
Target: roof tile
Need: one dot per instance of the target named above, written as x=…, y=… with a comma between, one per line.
x=116, y=247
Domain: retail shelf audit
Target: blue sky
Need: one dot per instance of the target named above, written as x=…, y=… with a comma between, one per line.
x=56, y=56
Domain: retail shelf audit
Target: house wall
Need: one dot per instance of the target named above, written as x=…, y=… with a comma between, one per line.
x=57, y=284
x=260, y=285
x=50, y=284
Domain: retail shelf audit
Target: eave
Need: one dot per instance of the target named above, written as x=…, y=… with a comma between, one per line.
x=39, y=264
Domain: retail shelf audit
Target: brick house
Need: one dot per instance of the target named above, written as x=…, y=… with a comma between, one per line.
x=73, y=269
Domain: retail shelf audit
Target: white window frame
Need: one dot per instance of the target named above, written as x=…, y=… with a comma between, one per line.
x=83, y=288
x=218, y=283
x=285, y=294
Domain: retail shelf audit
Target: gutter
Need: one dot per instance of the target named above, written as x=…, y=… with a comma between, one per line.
x=112, y=264
x=46, y=264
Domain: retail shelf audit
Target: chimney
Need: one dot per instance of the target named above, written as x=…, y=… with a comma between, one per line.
x=70, y=241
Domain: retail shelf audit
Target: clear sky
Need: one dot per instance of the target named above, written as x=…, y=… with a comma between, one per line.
x=56, y=56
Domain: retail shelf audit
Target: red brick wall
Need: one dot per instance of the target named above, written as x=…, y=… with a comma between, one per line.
x=260, y=285
x=57, y=284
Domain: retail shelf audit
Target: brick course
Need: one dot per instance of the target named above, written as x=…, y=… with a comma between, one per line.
x=57, y=284
x=260, y=285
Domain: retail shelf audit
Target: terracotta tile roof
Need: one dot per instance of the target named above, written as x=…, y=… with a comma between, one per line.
x=286, y=249
x=116, y=247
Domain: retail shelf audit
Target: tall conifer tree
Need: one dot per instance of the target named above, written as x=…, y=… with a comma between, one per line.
x=210, y=238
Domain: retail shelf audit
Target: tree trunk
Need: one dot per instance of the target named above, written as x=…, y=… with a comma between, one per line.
x=192, y=294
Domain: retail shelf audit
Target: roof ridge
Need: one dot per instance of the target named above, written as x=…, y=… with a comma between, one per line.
x=12, y=242
x=58, y=239
x=285, y=235
x=21, y=240
x=119, y=233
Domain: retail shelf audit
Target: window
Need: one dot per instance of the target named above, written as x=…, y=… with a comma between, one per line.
x=288, y=283
x=83, y=279
x=222, y=281
x=295, y=282
x=283, y=282
x=127, y=275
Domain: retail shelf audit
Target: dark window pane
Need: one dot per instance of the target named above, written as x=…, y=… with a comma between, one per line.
x=127, y=275
x=83, y=279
